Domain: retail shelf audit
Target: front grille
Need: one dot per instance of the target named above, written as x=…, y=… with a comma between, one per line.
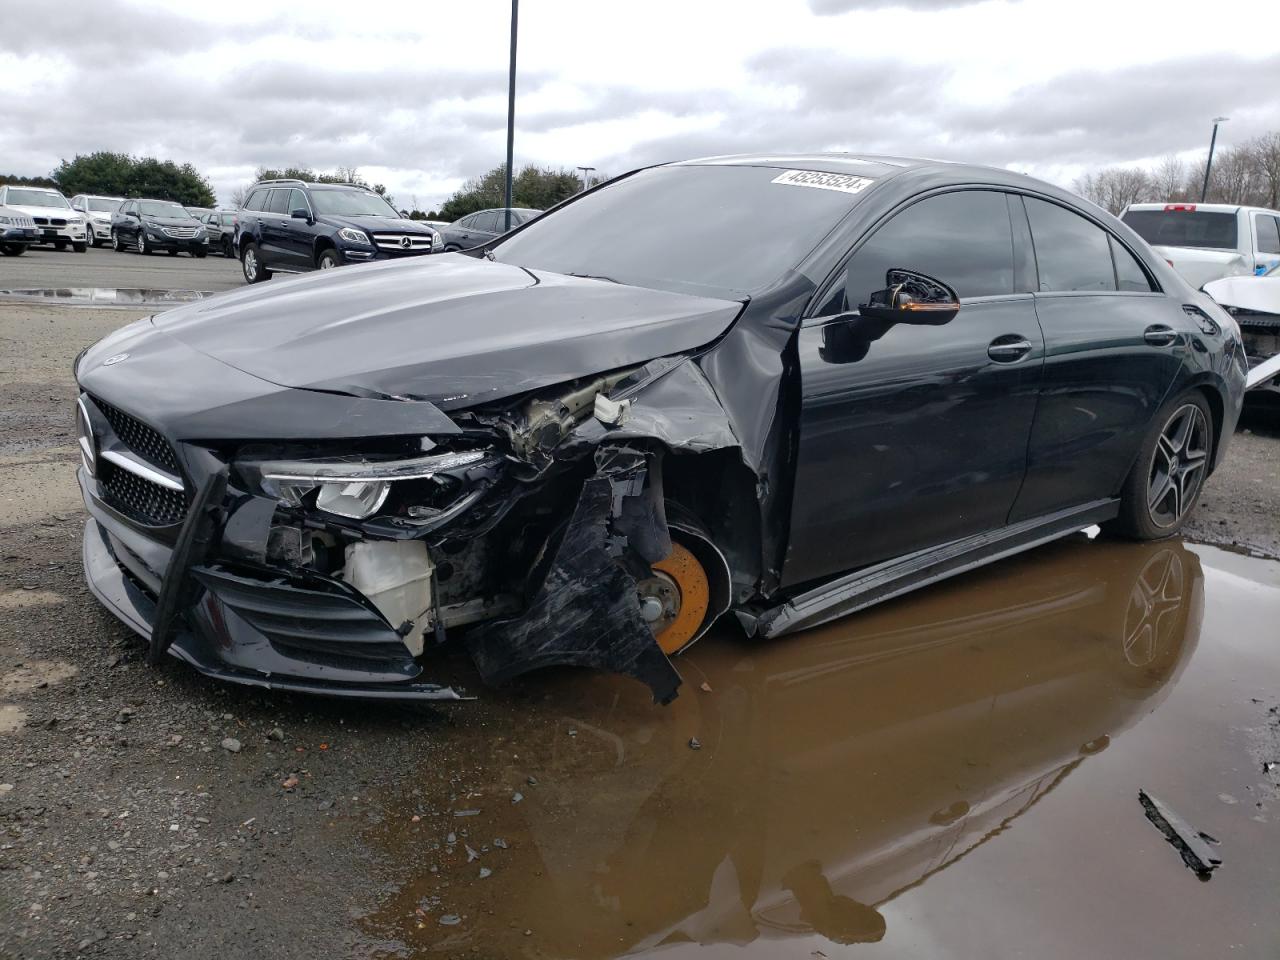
x=180, y=233
x=43, y=221
x=418, y=243
x=59, y=222
x=139, y=498
x=141, y=439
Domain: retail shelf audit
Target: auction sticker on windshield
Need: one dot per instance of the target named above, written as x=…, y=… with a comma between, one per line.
x=844, y=182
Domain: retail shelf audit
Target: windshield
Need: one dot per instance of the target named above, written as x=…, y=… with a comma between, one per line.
x=1184, y=228
x=36, y=198
x=352, y=203
x=162, y=208
x=103, y=206
x=733, y=230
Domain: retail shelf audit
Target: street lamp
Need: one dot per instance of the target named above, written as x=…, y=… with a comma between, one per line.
x=511, y=106
x=1204, y=190
x=585, y=171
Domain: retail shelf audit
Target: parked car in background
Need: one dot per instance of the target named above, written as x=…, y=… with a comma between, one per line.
x=220, y=225
x=57, y=222
x=437, y=224
x=1207, y=241
x=291, y=226
x=639, y=412
x=17, y=232
x=476, y=229
x=199, y=212
x=97, y=213
x=147, y=226
x=1255, y=303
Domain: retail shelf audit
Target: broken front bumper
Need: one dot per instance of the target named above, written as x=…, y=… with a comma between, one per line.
x=251, y=627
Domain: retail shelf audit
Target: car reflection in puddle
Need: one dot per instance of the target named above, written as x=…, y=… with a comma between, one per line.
x=108, y=296
x=837, y=769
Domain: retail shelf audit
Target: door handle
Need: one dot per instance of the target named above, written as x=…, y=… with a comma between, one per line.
x=1009, y=348
x=1158, y=335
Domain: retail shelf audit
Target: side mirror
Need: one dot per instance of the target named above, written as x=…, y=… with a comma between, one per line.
x=300, y=214
x=134, y=214
x=911, y=297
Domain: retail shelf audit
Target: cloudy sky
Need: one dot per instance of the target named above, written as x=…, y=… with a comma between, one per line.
x=414, y=93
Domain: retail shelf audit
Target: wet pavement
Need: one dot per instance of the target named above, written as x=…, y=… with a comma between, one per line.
x=106, y=296
x=954, y=774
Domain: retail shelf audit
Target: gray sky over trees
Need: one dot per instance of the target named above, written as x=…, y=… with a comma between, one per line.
x=414, y=94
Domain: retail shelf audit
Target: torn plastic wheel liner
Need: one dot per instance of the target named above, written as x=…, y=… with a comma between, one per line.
x=586, y=611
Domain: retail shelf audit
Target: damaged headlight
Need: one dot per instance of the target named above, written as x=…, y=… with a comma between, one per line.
x=353, y=487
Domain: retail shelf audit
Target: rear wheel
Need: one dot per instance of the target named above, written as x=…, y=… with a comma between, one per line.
x=254, y=271
x=1165, y=482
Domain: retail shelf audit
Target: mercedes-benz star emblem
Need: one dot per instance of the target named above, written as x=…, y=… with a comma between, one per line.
x=406, y=241
x=111, y=361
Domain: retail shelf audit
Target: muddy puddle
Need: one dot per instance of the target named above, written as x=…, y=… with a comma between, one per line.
x=954, y=774
x=107, y=296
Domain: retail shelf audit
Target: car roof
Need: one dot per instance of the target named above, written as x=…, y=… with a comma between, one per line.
x=27, y=186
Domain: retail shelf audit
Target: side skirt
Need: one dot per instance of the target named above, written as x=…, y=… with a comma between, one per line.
x=892, y=578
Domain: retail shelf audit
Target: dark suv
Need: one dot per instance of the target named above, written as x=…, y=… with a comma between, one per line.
x=291, y=226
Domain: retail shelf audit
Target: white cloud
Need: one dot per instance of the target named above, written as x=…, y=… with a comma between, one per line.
x=415, y=93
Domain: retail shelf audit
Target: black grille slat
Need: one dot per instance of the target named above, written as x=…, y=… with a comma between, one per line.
x=141, y=439
x=140, y=498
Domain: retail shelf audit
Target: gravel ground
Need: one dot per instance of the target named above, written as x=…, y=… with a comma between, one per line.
x=151, y=812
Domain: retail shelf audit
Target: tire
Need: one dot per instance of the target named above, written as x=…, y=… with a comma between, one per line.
x=251, y=264
x=451, y=248
x=59, y=244
x=116, y=243
x=199, y=254
x=327, y=260
x=13, y=249
x=143, y=247
x=80, y=247
x=90, y=237
x=1166, y=479
x=227, y=250
x=172, y=253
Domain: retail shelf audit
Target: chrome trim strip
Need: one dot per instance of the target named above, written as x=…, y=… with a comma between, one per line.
x=85, y=438
x=138, y=467
x=417, y=468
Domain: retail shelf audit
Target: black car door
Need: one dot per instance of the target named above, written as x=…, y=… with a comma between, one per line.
x=127, y=225
x=297, y=234
x=914, y=435
x=1112, y=351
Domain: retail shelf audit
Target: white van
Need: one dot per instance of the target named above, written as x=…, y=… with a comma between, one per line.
x=1208, y=241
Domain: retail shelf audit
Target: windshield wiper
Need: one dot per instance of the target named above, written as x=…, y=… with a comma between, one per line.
x=593, y=276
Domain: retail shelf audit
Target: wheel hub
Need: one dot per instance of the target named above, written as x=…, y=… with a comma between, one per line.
x=675, y=599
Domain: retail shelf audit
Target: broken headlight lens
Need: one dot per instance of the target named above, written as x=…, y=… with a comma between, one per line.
x=354, y=487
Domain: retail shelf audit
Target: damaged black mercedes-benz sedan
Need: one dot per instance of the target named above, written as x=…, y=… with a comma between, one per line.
x=782, y=387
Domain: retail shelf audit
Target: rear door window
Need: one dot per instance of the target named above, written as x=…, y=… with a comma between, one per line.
x=1268, y=233
x=1130, y=276
x=962, y=238
x=1072, y=254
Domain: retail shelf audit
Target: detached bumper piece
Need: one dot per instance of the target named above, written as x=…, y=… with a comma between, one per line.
x=304, y=637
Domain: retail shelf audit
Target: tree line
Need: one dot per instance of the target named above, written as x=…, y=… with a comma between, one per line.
x=121, y=175
x=1247, y=174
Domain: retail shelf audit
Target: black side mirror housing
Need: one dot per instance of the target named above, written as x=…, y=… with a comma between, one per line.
x=300, y=214
x=912, y=297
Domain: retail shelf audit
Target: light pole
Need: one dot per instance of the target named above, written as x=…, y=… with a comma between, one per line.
x=1209, y=166
x=585, y=171
x=511, y=107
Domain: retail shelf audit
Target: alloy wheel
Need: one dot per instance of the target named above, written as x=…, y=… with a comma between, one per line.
x=251, y=265
x=1178, y=465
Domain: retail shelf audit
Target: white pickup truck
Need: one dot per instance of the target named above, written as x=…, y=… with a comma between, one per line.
x=1208, y=241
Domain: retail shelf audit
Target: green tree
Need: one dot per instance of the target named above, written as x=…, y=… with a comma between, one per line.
x=122, y=175
x=307, y=175
x=532, y=186
x=14, y=180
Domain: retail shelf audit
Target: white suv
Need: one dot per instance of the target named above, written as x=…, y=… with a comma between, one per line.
x=1208, y=241
x=97, y=213
x=57, y=222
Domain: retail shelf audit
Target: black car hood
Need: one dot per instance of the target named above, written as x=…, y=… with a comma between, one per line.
x=449, y=329
x=376, y=224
